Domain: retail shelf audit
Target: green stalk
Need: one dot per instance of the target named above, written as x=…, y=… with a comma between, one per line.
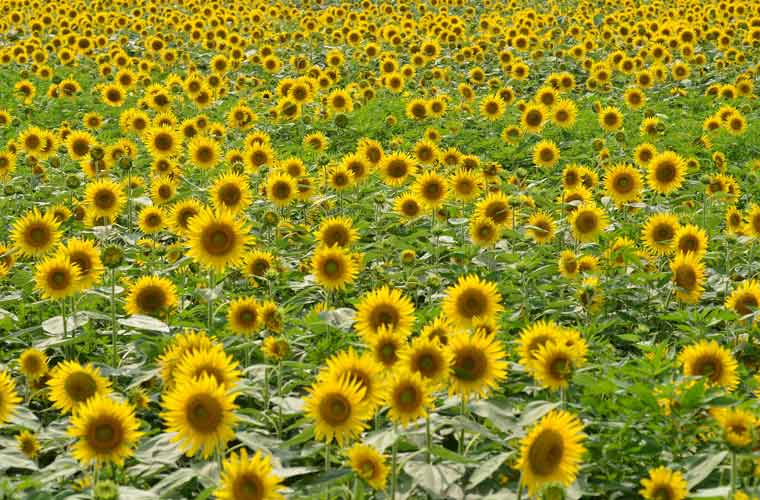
x=113, y=317
x=394, y=459
x=429, y=436
x=461, y=431
x=210, y=301
x=733, y=475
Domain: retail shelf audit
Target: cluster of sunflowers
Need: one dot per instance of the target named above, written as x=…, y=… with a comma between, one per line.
x=408, y=249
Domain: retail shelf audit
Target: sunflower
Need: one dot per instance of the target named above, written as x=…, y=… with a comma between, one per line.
x=534, y=336
x=496, y=207
x=623, y=183
x=383, y=308
x=745, y=300
x=316, y=141
x=492, y=107
x=163, y=141
x=340, y=178
x=737, y=425
x=151, y=219
x=281, y=188
x=551, y=452
x=471, y=298
x=610, y=119
x=243, y=316
x=86, y=256
x=691, y=238
x=734, y=221
x=333, y=267
x=555, y=363
x=257, y=155
x=28, y=444
x=395, y=168
x=388, y=346
x=541, y=227
x=753, y=220
x=217, y=239
x=408, y=397
x=426, y=151
x=35, y=234
x=340, y=102
x=151, y=296
x=275, y=349
x=688, y=276
x=659, y=233
x=203, y=152
x=359, y=368
x=105, y=198
x=9, y=399
x=568, y=264
x=336, y=231
x=357, y=165
x=533, y=117
x=337, y=409
x=545, y=154
x=258, y=263
x=416, y=109
x=665, y=172
x=213, y=362
x=587, y=222
x=427, y=357
x=180, y=214
x=184, y=343
x=432, y=188
x=33, y=364
x=465, y=184
x=72, y=384
x=106, y=431
x=710, y=360
x=564, y=113
x=407, y=206
x=248, y=478
x=201, y=413
x=368, y=464
x=644, y=153
x=484, y=232
x=664, y=484
x=634, y=98
x=230, y=191
x=57, y=278
x=163, y=188
x=79, y=144
x=477, y=364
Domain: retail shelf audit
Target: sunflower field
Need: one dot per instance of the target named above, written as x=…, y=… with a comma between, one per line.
x=400, y=249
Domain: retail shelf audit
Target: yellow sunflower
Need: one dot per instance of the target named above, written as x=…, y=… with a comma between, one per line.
x=541, y=227
x=57, y=277
x=230, y=191
x=9, y=399
x=28, y=444
x=71, y=384
x=333, y=267
x=151, y=296
x=428, y=357
x=431, y=188
x=361, y=368
x=587, y=222
x=33, y=363
x=691, y=238
x=688, y=277
x=203, y=152
x=710, y=360
x=86, y=256
x=387, y=347
x=745, y=300
x=336, y=231
x=532, y=337
x=163, y=141
x=385, y=307
x=107, y=431
x=471, y=299
x=217, y=239
x=105, y=198
x=465, y=184
x=368, y=464
x=659, y=233
x=484, y=232
x=180, y=214
x=243, y=316
x=664, y=483
x=552, y=451
x=248, y=478
x=337, y=409
x=555, y=363
x=545, y=154
x=35, y=234
x=151, y=219
x=737, y=425
x=408, y=397
x=623, y=184
x=201, y=413
x=478, y=364
x=281, y=188
x=496, y=207
x=395, y=168
x=665, y=172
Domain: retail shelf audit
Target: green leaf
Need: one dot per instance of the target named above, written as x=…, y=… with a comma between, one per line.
x=487, y=469
x=438, y=479
x=447, y=454
x=148, y=323
x=696, y=475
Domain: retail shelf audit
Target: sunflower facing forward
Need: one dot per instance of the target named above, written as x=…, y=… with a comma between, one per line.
x=72, y=384
x=9, y=399
x=478, y=364
x=664, y=484
x=384, y=308
x=217, y=239
x=107, y=431
x=337, y=409
x=245, y=477
x=35, y=234
x=552, y=451
x=151, y=296
x=333, y=267
x=711, y=361
x=470, y=299
x=57, y=278
x=369, y=465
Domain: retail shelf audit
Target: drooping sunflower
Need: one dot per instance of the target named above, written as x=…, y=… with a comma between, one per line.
x=201, y=413
x=428, y=357
x=470, y=299
x=230, y=191
x=478, y=364
x=203, y=152
x=35, y=234
x=243, y=316
x=665, y=172
x=587, y=222
x=552, y=451
x=395, y=168
x=336, y=231
x=361, y=368
x=691, y=238
x=408, y=397
x=333, y=267
x=57, y=277
x=217, y=239
x=688, y=276
x=623, y=183
x=496, y=207
x=86, y=256
x=163, y=141
x=541, y=227
x=213, y=362
x=33, y=363
x=337, y=409
x=384, y=308
x=248, y=478
x=711, y=361
x=151, y=296
x=71, y=384
x=9, y=398
x=105, y=198
x=180, y=214
x=659, y=233
x=368, y=464
x=664, y=484
x=107, y=431
x=545, y=154
x=745, y=299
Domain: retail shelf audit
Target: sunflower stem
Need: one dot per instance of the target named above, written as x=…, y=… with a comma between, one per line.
x=279, y=398
x=266, y=387
x=210, y=301
x=520, y=488
x=733, y=475
x=394, y=457
x=327, y=468
x=129, y=200
x=461, y=431
x=429, y=437
x=113, y=318
x=65, y=327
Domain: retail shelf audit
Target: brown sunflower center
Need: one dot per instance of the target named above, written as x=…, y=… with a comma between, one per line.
x=218, y=239
x=546, y=452
x=204, y=413
x=471, y=303
x=80, y=386
x=335, y=409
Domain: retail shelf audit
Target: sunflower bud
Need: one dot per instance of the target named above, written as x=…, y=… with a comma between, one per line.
x=54, y=162
x=598, y=144
x=341, y=120
x=8, y=190
x=106, y=490
x=125, y=163
x=553, y=492
x=113, y=257
x=97, y=153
